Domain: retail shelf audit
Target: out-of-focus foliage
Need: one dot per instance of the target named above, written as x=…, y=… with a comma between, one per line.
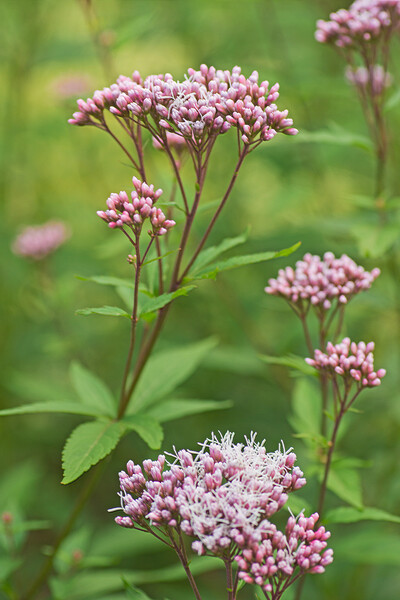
x=315, y=188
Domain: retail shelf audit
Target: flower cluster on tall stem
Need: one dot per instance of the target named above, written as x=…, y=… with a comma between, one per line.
x=181, y=117
x=362, y=35
x=223, y=497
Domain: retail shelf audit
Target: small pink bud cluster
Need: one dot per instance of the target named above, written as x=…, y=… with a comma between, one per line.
x=276, y=556
x=319, y=281
x=208, y=102
x=40, y=241
x=361, y=78
x=353, y=362
x=132, y=212
x=365, y=22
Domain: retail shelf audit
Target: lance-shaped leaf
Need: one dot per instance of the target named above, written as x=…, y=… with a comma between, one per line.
x=153, y=304
x=346, y=484
x=73, y=408
x=212, y=270
x=106, y=280
x=91, y=390
x=306, y=406
x=348, y=514
x=210, y=254
x=107, y=311
x=168, y=410
x=147, y=427
x=87, y=445
x=297, y=363
x=165, y=371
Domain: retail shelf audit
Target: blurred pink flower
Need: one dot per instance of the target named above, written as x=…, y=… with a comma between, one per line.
x=39, y=241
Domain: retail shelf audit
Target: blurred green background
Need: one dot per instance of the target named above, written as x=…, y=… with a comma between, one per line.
x=314, y=189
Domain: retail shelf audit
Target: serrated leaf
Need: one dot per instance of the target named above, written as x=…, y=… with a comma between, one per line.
x=87, y=445
x=209, y=254
x=153, y=304
x=92, y=390
x=292, y=361
x=306, y=406
x=72, y=408
x=107, y=311
x=168, y=410
x=239, y=261
x=165, y=371
x=347, y=514
x=147, y=427
x=346, y=484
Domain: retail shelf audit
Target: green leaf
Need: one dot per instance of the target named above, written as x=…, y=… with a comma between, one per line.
x=347, y=514
x=297, y=504
x=105, y=280
x=134, y=592
x=7, y=566
x=126, y=296
x=165, y=371
x=153, y=304
x=168, y=410
x=370, y=546
x=292, y=361
x=393, y=101
x=209, y=254
x=30, y=526
x=91, y=390
x=148, y=262
x=87, y=445
x=90, y=584
x=336, y=134
x=108, y=311
x=72, y=408
x=346, y=484
x=374, y=241
x=240, y=360
x=147, y=427
x=211, y=271
x=306, y=405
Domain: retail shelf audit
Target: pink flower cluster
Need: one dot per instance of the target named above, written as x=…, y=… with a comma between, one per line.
x=278, y=553
x=319, y=281
x=223, y=496
x=122, y=211
x=375, y=81
x=353, y=362
x=173, y=141
x=365, y=21
x=40, y=241
x=207, y=102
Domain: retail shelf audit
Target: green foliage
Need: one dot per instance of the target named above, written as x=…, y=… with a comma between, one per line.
x=347, y=514
x=169, y=410
x=92, y=391
x=209, y=254
x=87, y=445
x=296, y=363
x=157, y=302
x=106, y=311
x=73, y=408
x=336, y=134
x=306, y=406
x=211, y=271
x=173, y=367
x=147, y=427
x=369, y=546
x=346, y=484
x=89, y=584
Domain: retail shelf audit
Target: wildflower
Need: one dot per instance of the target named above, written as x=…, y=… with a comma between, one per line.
x=350, y=361
x=364, y=23
x=40, y=241
x=319, y=282
x=123, y=211
x=206, y=103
